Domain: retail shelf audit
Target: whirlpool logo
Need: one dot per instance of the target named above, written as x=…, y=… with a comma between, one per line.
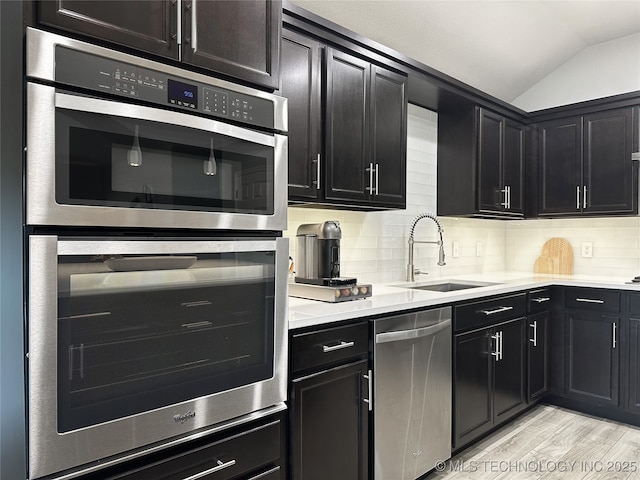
x=183, y=417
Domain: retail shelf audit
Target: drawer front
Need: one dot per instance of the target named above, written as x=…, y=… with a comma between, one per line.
x=594, y=299
x=489, y=311
x=538, y=300
x=252, y=455
x=329, y=346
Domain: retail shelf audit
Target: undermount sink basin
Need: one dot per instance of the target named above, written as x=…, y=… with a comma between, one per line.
x=451, y=286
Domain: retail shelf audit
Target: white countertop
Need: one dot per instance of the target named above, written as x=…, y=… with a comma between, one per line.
x=394, y=297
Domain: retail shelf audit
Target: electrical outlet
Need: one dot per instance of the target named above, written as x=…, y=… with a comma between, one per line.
x=587, y=249
x=455, y=251
x=479, y=249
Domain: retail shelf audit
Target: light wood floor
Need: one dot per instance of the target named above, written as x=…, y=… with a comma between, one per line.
x=551, y=443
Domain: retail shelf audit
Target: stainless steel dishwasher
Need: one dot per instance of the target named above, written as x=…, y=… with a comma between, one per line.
x=412, y=393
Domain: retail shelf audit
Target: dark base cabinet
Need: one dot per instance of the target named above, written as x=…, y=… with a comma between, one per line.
x=251, y=452
x=330, y=425
x=329, y=403
x=489, y=366
x=472, y=386
x=537, y=356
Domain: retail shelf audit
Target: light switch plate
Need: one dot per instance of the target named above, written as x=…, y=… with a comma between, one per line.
x=479, y=249
x=455, y=251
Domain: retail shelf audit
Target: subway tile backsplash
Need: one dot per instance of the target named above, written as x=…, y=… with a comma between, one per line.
x=374, y=244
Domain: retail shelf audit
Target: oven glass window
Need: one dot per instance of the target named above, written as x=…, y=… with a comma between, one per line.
x=119, y=162
x=137, y=333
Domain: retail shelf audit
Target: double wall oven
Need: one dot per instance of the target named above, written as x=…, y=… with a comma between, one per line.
x=155, y=204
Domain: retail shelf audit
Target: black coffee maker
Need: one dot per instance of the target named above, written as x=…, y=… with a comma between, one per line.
x=318, y=252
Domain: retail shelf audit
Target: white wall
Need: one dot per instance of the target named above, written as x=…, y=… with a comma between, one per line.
x=374, y=244
x=609, y=68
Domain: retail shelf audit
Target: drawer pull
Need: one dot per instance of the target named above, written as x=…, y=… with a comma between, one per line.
x=497, y=310
x=589, y=300
x=217, y=468
x=340, y=346
x=264, y=474
x=541, y=299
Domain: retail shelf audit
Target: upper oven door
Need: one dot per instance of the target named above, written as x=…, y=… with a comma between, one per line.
x=96, y=162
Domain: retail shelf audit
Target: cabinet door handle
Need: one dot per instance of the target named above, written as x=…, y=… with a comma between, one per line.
x=584, y=197
x=265, y=474
x=501, y=350
x=317, y=162
x=509, y=197
x=370, y=187
x=578, y=197
x=377, y=178
x=194, y=26
x=498, y=350
x=369, y=399
x=497, y=310
x=613, y=336
x=589, y=300
x=178, y=4
x=541, y=299
x=505, y=190
x=340, y=346
x=220, y=466
x=534, y=340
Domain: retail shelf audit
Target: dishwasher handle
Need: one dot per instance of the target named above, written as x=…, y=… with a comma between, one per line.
x=413, y=333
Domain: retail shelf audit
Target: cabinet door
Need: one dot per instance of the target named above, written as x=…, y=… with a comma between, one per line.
x=509, y=377
x=330, y=424
x=238, y=39
x=491, y=196
x=300, y=84
x=148, y=25
x=513, y=165
x=608, y=170
x=347, y=128
x=537, y=353
x=473, y=386
x=634, y=365
x=389, y=136
x=592, y=357
x=560, y=167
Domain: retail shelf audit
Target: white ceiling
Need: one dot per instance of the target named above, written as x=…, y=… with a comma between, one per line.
x=500, y=47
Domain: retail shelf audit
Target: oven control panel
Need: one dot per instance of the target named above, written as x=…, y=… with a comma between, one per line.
x=99, y=74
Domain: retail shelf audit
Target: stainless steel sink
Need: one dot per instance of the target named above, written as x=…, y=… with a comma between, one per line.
x=451, y=286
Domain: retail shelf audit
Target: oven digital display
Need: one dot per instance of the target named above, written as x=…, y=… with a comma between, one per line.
x=182, y=94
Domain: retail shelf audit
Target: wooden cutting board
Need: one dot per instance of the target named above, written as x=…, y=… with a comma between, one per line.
x=556, y=257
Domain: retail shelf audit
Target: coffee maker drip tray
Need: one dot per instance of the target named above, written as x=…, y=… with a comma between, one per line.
x=326, y=293
x=328, y=282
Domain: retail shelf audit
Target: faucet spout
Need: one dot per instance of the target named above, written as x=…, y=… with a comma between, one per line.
x=412, y=241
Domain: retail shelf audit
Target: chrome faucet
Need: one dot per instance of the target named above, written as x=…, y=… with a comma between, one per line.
x=410, y=269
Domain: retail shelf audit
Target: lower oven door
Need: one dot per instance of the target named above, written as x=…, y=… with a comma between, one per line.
x=136, y=341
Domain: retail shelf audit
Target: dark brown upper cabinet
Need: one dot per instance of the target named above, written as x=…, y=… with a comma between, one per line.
x=347, y=127
x=238, y=39
x=300, y=84
x=585, y=164
x=480, y=164
x=365, y=133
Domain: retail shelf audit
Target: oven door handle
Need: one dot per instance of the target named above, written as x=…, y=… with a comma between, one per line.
x=138, y=112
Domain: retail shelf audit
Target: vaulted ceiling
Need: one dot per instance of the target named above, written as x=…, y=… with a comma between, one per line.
x=500, y=47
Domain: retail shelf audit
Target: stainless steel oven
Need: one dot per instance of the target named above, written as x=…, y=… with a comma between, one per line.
x=138, y=343
x=114, y=140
